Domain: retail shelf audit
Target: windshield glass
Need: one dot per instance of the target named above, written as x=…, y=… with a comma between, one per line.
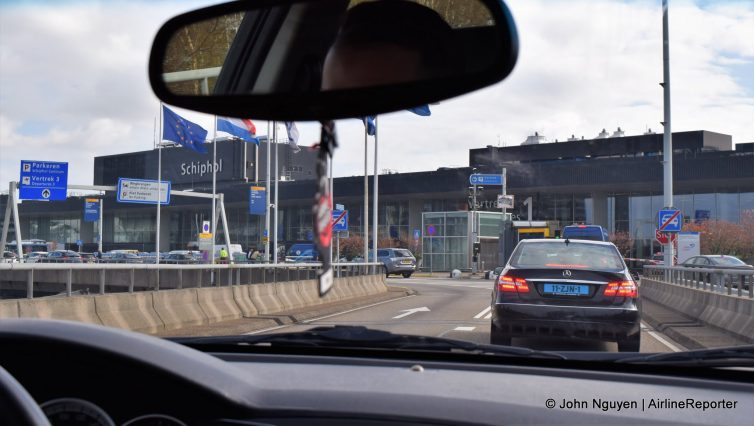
x=727, y=260
x=434, y=209
x=559, y=255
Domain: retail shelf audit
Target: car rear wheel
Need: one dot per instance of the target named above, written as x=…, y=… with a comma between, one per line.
x=497, y=337
x=407, y=275
x=631, y=344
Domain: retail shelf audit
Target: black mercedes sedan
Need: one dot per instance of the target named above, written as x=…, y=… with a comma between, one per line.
x=566, y=288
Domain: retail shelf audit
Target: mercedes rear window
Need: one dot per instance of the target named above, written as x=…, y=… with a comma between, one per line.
x=402, y=253
x=559, y=255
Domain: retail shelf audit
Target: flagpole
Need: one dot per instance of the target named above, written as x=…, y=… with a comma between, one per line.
x=275, y=240
x=159, y=187
x=365, y=219
x=214, y=195
x=267, y=196
x=375, y=209
x=332, y=196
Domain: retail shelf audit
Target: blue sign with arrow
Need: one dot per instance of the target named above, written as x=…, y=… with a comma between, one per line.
x=482, y=179
x=43, y=180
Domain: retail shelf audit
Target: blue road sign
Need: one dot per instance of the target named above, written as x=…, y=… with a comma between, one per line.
x=669, y=220
x=91, y=210
x=417, y=234
x=339, y=220
x=481, y=179
x=43, y=180
x=79, y=243
x=258, y=200
x=431, y=230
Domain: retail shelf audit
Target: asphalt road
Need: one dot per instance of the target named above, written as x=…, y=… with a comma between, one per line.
x=457, y=309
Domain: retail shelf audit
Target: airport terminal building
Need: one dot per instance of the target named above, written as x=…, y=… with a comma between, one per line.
x=614, y=181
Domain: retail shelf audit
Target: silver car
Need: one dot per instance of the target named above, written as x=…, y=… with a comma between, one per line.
x=397, y=261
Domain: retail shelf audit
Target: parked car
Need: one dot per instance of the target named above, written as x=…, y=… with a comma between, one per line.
x=302, y=252
x=35, y=256
x=61, y=256
x=178, y=258
x=715, y=261
x=585, y=232
x=576, y=289
x=397, y=261
x=9, y=257
x=124, y=258
x=88, y=258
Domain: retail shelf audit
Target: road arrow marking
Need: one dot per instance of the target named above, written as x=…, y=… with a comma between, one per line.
x=407, y=312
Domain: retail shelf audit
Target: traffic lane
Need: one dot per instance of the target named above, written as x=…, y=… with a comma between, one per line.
x=457, y=309
x=435, y=309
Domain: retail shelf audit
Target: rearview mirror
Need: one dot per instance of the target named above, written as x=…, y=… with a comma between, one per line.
x=320, y=60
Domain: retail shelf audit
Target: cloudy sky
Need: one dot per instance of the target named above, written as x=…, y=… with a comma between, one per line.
x=73, y=82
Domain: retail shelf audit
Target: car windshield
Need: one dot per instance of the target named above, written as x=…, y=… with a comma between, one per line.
x=560, y=255
x=432, y=206
x=728, y=261
x=402, y=253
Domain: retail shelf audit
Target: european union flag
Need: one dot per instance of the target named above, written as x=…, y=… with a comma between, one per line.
x=179, y=130
x=370, y=125
x=421, y=110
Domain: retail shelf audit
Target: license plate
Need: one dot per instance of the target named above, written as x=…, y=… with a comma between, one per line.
x=567, y=289
x=406, y=262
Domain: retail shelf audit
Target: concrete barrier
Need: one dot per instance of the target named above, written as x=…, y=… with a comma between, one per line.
x=154, y=311
x=243, y=300
x=731, y=314
x=289, y=296
x=179, y=308
x=265, y=298
x=734, y=314
x=336, y=293
x=129, y=311
x=79, y=308
x=8, y=308
x=218, y=303
x=309, y=291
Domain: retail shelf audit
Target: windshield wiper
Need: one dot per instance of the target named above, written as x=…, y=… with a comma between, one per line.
x=365, y=338
x=736, y=355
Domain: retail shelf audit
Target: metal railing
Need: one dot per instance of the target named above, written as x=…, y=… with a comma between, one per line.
x=731, y=281
x=57, y=279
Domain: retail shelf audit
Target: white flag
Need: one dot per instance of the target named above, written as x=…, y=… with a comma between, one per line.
x=290, y=126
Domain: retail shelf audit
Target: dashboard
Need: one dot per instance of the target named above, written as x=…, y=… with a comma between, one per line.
x=85, y=374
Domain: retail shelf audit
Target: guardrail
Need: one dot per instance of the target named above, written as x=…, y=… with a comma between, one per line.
x=732, y=281
x=125, y=277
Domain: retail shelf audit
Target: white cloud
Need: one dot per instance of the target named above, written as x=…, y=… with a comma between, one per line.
x=74, y=83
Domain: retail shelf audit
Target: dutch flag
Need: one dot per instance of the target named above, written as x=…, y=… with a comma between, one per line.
x=239, y=127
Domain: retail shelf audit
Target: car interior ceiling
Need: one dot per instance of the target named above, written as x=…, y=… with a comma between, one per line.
x=268, y=42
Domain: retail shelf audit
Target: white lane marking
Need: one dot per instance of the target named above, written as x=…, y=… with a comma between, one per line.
x=481, y=314
x=659, y=338
x=464, y=328
x=355, y=309
x=407, y=312
x=327, y=316
x=489, y=316
x=264, y=330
